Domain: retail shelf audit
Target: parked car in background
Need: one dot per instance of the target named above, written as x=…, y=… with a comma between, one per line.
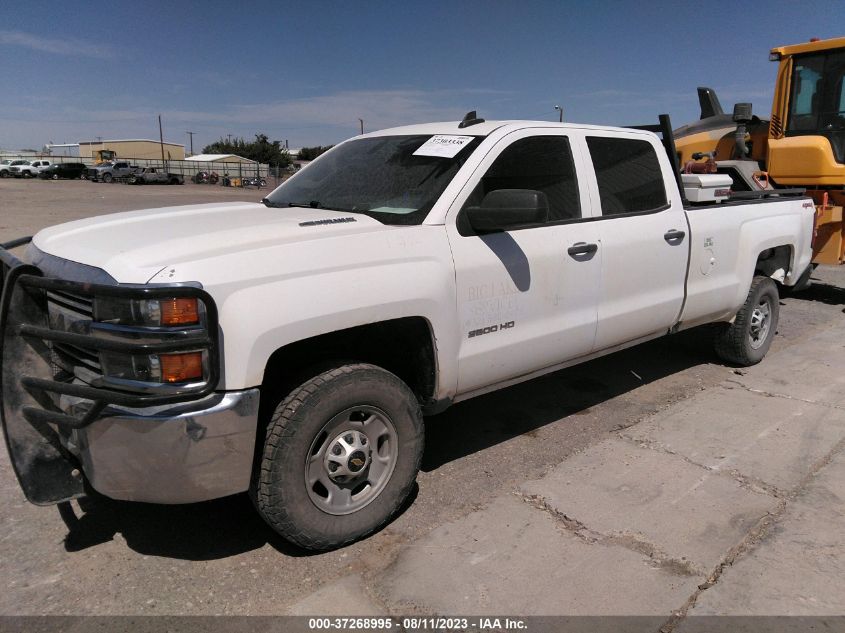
x=6, y=167
x=155, y=175
x=63, y=170
x=109, y=171
x=31, y=170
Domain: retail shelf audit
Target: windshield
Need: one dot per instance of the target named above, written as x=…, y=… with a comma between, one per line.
x=390, y=178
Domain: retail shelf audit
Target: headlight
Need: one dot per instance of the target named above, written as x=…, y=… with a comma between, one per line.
x=158, y=368
x=147, y=312
x=152, y=321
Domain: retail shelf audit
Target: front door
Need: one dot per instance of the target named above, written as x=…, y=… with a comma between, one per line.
x=527, y=298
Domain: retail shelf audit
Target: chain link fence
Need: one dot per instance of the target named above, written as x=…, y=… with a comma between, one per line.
x=235, y=172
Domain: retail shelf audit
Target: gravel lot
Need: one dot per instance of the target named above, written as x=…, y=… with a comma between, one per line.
x=27, y=205
x=219, y=558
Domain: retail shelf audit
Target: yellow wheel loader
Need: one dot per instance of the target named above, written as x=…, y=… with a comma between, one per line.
x=802, y=145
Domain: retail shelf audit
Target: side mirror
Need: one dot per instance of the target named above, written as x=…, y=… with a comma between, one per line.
x=505, y=209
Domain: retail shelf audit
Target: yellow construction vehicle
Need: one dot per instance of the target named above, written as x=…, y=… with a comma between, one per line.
x=103, y=156
x=802, y=145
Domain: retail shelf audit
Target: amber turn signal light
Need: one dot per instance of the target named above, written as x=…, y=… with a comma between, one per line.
x=179, y=311
x=181, y=367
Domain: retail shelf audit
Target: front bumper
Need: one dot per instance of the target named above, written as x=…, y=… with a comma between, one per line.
x=193, y=452
x=63, y=417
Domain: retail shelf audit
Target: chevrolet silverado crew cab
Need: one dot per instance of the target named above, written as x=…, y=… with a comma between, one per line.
x=291, y=348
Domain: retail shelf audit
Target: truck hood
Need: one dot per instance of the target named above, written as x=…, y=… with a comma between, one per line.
x=133, y=246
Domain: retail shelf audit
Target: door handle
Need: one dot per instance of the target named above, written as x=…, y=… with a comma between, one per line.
x=582, y=248
x=673, y=235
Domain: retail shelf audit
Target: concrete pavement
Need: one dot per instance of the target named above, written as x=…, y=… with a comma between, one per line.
x=731, y=502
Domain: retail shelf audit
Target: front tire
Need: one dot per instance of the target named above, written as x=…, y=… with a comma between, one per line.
x=107, y=177
x=341, y=454
x=746, y=341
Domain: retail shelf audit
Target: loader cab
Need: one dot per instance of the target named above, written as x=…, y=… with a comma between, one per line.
x=807, y=134
x=817, y=99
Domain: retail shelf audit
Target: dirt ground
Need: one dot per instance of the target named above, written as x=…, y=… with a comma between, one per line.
x=30, y=204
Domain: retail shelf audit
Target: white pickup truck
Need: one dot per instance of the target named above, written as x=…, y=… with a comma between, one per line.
x=291, y=348
x=30, y=170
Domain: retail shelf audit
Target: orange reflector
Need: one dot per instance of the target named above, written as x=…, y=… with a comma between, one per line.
x=181, y=367
x=183, y=311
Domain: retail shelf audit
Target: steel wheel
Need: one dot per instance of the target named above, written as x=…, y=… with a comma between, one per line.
x=760, y=322
x=340, y=456
x=351, y=460
x=746, y=340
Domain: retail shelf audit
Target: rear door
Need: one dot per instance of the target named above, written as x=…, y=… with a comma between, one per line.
x=526, y=298
x=644, y=237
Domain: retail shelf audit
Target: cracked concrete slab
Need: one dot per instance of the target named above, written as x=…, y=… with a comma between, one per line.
x=798, y=568
x=772, y=442
x=813, y=371
x=346, y=596
x=513, y=558
x=680, y=513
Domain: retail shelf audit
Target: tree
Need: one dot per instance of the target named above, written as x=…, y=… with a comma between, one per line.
x=261, y=150
x=310, y=153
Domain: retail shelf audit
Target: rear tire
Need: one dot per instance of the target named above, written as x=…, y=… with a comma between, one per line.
x=746, y=341
x=55, y=176
x=341, y=454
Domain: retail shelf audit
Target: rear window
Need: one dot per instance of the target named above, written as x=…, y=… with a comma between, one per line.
x=628, y=174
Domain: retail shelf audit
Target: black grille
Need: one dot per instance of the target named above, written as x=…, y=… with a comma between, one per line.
x=72, y=312
x=78, y=303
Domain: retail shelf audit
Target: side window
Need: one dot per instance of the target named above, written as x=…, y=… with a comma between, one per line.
x=542, y=163
x=629, y=175
x=806, y=91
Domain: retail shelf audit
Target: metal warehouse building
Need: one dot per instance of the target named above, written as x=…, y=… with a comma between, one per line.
x=133, y=148
x=220, y=158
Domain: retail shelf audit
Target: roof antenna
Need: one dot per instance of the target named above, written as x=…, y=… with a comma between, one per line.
x=471, y=118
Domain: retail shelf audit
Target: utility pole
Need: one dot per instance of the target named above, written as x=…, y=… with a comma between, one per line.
x=161, y=141
x=361, y=121
x=229, y=136
x=191, y=135
x=557, y=107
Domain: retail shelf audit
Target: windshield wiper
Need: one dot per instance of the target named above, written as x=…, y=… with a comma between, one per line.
x=314, y=204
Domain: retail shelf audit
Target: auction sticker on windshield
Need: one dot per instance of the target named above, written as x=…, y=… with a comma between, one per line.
x=443, y=145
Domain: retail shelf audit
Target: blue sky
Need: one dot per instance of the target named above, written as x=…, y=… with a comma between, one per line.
x=307, y=71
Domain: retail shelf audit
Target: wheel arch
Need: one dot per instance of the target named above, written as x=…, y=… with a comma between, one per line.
x=403, y=346
x=776, y=262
